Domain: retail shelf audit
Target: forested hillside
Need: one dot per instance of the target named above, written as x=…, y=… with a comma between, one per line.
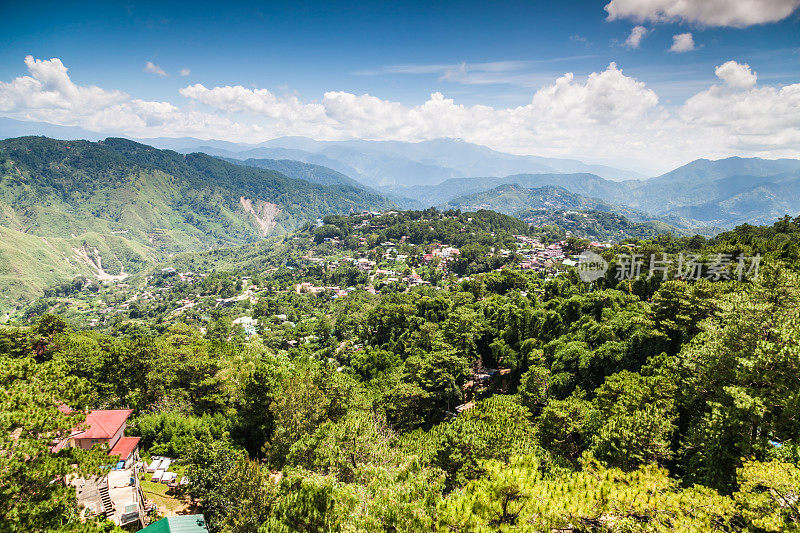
x=493, y=400
x=599, y=224
x=107, y=208
x=300, y=170
x=511, y=199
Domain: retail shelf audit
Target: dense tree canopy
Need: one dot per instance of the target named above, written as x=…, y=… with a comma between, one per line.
x=508, y=401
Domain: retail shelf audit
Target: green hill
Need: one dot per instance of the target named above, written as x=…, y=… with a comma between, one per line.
x=600, y=225
x=557, y=205
x=512, y=198
x=125, y=204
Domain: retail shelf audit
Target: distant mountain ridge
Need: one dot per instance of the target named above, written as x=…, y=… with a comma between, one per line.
x=702, y=193
x=310, y=172
x=393, y=163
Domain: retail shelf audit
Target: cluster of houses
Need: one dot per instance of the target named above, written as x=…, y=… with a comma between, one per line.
x=539, y=257
x=309, y=288
x=115, y=492
x=445, y=254
x=536, y=255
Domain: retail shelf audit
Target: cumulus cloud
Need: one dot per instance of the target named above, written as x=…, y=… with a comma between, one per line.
x=605, y=116
x=736, y=13
x=746, y=118
x=259, y=101
x=49, y=95
x=152, y=68
x=634, y=40
x=184, y=72
x=736, y=75
x=682, y=42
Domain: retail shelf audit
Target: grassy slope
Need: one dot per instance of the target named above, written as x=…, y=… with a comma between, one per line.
x=30, y=263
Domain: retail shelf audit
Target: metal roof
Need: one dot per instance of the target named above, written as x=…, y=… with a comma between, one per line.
x=194, y=523
x=104, y=424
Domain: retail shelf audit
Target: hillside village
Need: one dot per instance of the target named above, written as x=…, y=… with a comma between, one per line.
x=358, y=261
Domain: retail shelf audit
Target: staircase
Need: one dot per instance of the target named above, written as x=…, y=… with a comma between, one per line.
x=108, y=507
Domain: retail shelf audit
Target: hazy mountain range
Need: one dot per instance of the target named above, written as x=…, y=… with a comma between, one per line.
x=703, y=193
x=433, y=173
x=398, y=164
x=113, y=207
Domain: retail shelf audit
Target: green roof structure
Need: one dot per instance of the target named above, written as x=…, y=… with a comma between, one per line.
x=190, y=523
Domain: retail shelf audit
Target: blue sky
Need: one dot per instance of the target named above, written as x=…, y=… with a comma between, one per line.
x=476, y=53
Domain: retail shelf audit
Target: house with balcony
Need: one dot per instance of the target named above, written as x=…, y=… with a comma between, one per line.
x=115, y=492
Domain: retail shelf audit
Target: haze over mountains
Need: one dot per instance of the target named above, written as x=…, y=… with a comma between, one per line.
x=111, y=208
x=399, y=164
x=433, y=173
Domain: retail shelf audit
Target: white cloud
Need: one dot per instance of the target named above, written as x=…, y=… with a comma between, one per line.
x=634, y=40
x=736, y=13
x=49, y=95
x=736, y=75
x=606, y=116
x=748, y=120
x=184, y=72
x=682, y=42
x=259, y=101
x=152, y=68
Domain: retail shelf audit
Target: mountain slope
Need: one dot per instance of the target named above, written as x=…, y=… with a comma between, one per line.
x=134, y=204
x=299, y=170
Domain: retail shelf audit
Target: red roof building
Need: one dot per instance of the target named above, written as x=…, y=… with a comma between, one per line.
x=103, y=426
x=125, y=447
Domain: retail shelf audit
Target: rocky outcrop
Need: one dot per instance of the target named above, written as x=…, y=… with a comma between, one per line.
x=90, y=256
x=264, y=213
